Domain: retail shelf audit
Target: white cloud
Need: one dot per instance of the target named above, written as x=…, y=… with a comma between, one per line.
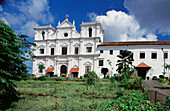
x=28, y=14
x=153, y=15
x=119, y=26
x=36, y=9
x=14, y=19
x=28, y=28
x=92, y=16
x=5, y=21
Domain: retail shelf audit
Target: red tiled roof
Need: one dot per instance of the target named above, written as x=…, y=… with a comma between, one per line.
x=135, y=43
x=49, y=69
x=142, y=64
x=54, y=31
x=74, y=70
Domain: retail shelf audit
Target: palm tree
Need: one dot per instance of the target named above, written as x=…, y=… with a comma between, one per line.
x=167, y=68
x=125, y=66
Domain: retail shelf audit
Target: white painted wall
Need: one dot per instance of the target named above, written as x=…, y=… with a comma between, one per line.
x=56, y=39
x=155, y=64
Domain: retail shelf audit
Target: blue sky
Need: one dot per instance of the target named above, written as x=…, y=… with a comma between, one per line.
x=122, y=20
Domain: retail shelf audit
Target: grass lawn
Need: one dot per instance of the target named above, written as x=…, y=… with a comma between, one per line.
x=64, y=95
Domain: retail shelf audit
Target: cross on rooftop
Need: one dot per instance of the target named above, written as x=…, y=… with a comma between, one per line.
x=67, y=16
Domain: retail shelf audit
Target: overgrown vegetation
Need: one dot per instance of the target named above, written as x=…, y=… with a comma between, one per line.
x=136, y=101
x=47, y=95
x=72, y=95
x=14, y=53
x=164, y=81
x=134, y=82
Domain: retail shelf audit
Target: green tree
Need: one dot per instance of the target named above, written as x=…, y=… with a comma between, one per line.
x=14, y=52
x=104, y=71
x=125, y=66
x=167, y=68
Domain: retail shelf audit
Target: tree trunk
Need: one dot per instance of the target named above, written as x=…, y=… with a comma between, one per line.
x=104, y=75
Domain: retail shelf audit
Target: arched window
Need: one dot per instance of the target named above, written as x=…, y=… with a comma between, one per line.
x=43, y=34
x=90, y=32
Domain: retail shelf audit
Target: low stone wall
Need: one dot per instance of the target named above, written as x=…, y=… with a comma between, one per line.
x=155, y=94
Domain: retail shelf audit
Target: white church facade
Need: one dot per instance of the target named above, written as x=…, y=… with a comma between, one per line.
x=73, y=53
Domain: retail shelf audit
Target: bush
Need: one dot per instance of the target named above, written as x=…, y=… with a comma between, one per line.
x=55, y=76
x=161, y=80
x=107, y=76
x=61, y=78
x=31, y=77
x=112, y=79
x=133, y=83
x=136, y=101
x=166, y=78
x=91, y=78
x=168, y=102
x=81, y=77
x=42, y=78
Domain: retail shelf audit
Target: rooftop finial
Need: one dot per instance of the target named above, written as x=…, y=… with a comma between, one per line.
x=73, y=22
x=67, y=16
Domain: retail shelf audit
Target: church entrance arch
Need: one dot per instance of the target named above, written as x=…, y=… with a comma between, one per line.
x=63, y=70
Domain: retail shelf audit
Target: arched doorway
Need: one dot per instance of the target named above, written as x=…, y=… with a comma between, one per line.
x=63, y=70
x=104, y=71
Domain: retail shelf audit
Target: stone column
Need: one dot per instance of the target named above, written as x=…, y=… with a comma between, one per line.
x=94, y=64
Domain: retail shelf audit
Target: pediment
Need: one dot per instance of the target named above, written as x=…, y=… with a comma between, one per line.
x=76, y=45
x=41, y=46
x=40, y=63
x=89, y=44
x=87, y=63
x=64, y=45
x=75, y=66
x=66, y=23
x=50, y=66
x=52, y=45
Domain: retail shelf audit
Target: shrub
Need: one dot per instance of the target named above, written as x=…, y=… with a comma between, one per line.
x=61, y=79
x=42, y=78
x=55, y=76
x=168, y=102
x=34, y=78
x=107, y=76
x=91, y=77
x=166, y=78
x=31, y=77
x=161, y=80
x=136, y=101
x=133, y=83
x=81, y=77
x=112, y=79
